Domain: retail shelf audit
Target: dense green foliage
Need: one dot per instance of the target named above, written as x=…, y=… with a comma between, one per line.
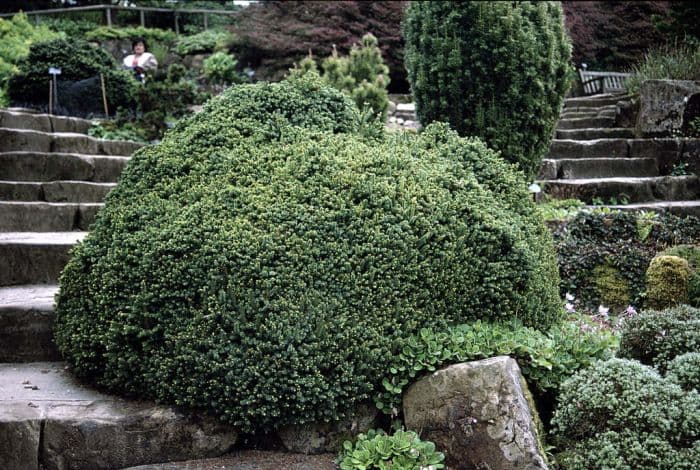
x=625, y=241
x=690, y=253
x=546, y=359
x=684, y=370
x=401, y=451
x=673, y=61
x=622, y=414
x=211, y=40
x=151, y=35
x=220, y=68
x=78, y=60
x=258, y=265
x=667, y=282
x=497, y=70
x=656, y=337
x=16, y=36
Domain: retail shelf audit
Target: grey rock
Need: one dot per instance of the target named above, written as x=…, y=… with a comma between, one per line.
x=328, y=437
x=666, y=151
x=691, y=155
x=586, y=123
x=391, y=109
x=478, y=414
x=626, y=113
x=19, y=443
x=607, y=148
x=662, y=105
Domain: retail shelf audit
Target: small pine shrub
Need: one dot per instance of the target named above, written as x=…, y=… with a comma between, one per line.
x=667, y=282
x=497, y=70
x=690, y=253
x=78, y=60
x=151, y=35
x=622, y=414
x=264, y=260
x=401, y=451
x=656, y=337
x=684, y=370
x=220, y=69
x=210, y=40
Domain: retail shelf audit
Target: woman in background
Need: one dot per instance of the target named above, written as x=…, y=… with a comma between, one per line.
x=140, y=61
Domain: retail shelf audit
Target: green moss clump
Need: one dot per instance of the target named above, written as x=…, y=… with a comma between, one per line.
x=497, y=70
x=264, y=261
x=612, y=288
x=667, y=282
x=690, y=253
x=622, y=414
x=656, y=337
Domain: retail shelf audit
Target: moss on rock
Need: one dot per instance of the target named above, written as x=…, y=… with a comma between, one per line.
x=612, y=288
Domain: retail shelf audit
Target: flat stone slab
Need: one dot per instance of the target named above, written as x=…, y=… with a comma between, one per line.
x=595, y=133
x=606, y=148
x=47, y=166
x=603, y=99
x=585, y=122
x=26, y=323
x=252, y=460
x=680, y=208
x=14, y=140
x=577, y=168
x=22, y=216
x=55, y=191
x=49, y=421
x=34, y=257
x=43, y=122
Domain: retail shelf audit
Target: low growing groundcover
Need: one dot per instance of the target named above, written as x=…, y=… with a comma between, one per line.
x=266, y=258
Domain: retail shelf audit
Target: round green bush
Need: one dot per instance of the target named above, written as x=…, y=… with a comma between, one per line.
x=684, y=370
x=667, y=282
x=260, y=266
x=497, y=70
x=622, y=414
x=78, y=60
x=656, y=337
x=690, y=253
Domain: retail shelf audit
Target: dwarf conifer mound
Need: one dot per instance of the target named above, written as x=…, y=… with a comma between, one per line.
x=497, y=70
x=264, y=260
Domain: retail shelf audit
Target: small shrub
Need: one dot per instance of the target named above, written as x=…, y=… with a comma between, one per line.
x=264, y=260
x=220, y=68
x=207, y=41
x=497, y=70
x=612, y=288
x=667, y=282
x=622, y=414
x=656, y=337
x=151, y=35
x=684, y=370
x=679, y=60
x=401, y=451
x=690, y=253
x=78, y=60
x=560, y=209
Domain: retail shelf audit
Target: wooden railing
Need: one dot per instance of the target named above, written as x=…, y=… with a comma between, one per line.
x=603, y=82
x=142, y=13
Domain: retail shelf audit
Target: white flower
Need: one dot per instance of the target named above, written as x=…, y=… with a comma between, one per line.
x=603, y=311
x=569, y=308
x=569, y=297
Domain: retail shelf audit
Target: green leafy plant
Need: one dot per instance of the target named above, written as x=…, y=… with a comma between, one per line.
x=110, y=130
x=102, y=33
x=684, y=370
x=497, y=70
x=220, y=68
x=622, y=414
x=264, y=260
x=678, y=60
x=210, y=40
x=546, y=359
x=401, y=451
x=560, y=209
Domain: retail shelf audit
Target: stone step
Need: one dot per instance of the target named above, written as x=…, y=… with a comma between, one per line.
x=38, y=166
x=54, y=191
x=680, y=208
x=585, y=123
x=608, y=111
x=34, y=257
x=14, y=140
x=634, y=190
x=22, y=216
x=50, y=421
x=594, y=101
x=43, y=122
x=577, y=168
x=26, y=323
x=606, y=148
x=595, y=133
x=252, y=460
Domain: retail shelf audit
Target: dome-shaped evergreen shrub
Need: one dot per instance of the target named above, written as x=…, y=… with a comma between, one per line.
x=622, y=414
x=497, y=70
x=78, y=60
x=261, y=266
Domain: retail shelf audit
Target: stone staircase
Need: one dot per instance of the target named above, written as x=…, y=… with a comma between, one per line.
x=593, y=159
x=53, y=179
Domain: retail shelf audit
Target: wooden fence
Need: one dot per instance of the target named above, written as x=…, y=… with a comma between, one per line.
x=108, y=9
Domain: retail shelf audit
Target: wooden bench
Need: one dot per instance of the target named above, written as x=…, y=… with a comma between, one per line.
x=603, y=82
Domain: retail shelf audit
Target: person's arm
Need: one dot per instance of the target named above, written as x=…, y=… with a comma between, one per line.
x=150, y=63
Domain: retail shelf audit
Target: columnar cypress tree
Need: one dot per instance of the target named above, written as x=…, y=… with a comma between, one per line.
x=497, y=70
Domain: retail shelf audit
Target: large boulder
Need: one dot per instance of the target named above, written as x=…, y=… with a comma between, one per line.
x=479, y=414
x=662, y=106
